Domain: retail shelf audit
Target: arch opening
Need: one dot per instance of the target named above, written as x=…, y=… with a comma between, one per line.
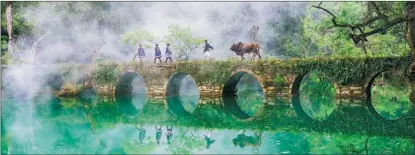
x=243, y=95
x=390, y=95
x=182, y=94
x=131, y=93
x=314, y=96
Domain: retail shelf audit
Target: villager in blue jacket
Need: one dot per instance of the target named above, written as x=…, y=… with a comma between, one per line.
x=207, y=49
x=168, y=53
x=157, y=53
x=141, y=54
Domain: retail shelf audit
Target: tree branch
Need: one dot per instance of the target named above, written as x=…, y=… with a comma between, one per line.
x=34, y=46
x=87, y=82
x=352, y=27
x=362, y=36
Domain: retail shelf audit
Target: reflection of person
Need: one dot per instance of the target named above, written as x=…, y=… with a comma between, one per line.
x=158, y=134
x=168, y=53
x=208, y=138
x=157, y=53
x=242, y=140
x=169, y=134
x=142, y=134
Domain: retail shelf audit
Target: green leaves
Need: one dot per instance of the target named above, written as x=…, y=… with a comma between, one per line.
x=138, y=35
x=321, y=30
x=182, y=39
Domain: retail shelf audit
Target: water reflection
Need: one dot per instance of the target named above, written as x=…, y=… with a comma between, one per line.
x=243, y=140
x=317, y=97
x=208, y=138
x=390, y=95
x=182, y=94
x=102, y=130
x=48, y=104
x=131, y=93
x=159, y=132
x=142, y=134
x=243, y=96
x=249, y=95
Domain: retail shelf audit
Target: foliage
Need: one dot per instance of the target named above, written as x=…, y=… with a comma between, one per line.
x=337, y=42
x=182, y=39
x=132, y=146
x=317, y=96
x=249, y=95
x=391, y=98
x=20, y=28
x=138, y=35
x=185, y=143
x=279, y=79
x=341, y=70
x=106, y=71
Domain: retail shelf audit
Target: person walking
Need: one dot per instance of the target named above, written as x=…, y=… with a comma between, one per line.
x=157, y=53
x=254, y=34
x=206, y=51
x=141, y=54
x=168, y=53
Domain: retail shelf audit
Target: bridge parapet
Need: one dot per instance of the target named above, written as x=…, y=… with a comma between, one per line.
x=350, y=75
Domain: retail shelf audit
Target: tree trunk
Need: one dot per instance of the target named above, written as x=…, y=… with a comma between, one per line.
x=9, y=24
x=34, y=47
x=88, y=73
x=410, y=36
x=410, y=10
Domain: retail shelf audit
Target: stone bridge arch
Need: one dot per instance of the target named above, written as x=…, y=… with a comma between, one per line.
x=173, y=100
x=296, y=101
x=370, y=103
x=229, y=94
x=296, y=84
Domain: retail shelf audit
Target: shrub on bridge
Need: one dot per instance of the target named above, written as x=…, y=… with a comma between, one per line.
x=342, y=70
x=106, y=72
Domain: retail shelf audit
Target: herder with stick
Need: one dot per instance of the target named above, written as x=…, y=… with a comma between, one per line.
x=207, y=49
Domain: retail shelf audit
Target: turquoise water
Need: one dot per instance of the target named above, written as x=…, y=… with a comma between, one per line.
x=105, y=126
x=315, y=122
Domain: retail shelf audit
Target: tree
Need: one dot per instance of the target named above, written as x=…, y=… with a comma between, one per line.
x=320, y=26
x=13, y=27
x=286, y=31
x=9, y=23
x=138, y=35
x=182, y=39
x=380, y=17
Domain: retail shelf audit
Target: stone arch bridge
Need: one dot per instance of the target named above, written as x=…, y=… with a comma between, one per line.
x=351, y=76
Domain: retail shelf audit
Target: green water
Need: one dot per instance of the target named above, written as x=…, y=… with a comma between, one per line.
x=75, y=126
x=315, y=122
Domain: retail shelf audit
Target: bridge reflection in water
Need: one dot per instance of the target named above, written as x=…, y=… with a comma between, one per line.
x=312, y=122
x=68, y=126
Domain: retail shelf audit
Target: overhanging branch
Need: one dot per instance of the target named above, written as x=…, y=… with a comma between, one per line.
x=362, y=36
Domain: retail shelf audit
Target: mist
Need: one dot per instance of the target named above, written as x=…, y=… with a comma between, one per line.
x=72, y=38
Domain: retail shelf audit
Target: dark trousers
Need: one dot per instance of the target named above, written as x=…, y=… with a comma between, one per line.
x=168, y=58
x=156, y=59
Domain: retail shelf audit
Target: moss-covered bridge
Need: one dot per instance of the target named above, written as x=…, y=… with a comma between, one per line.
x=351, y=76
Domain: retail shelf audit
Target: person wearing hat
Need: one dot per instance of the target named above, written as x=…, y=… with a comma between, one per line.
x=168, y=53
x=157, y=53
